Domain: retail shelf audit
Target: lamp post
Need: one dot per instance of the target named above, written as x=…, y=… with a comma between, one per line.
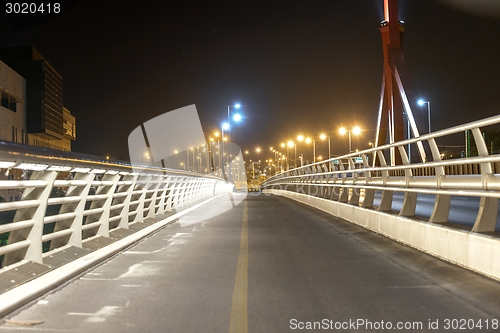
x=356, y=130
x=421, y=102
x=323, y=137
x=291, y=144
x=224, y=126
x=253, y=165
x=309, y=140
x=237, y=118
x=210, y=163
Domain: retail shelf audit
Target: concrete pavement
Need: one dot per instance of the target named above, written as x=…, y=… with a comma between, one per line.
x=267, y=265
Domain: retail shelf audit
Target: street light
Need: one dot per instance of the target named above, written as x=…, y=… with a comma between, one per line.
x=291, y=144
x=323, y=137
x=225, y=126
x=301, y=138
x=236, y=117
x=309, y=140
x=356, y=130
x=421, y=102
x=211, y=140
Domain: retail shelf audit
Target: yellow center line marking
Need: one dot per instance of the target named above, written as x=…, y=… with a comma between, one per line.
x=239, y=313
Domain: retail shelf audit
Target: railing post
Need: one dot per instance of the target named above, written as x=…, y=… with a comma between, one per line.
x=33, y=234
x=410, y=198
x=108, y=190
x=162, y=190
x=488, y=207
x=144, y=181
x=155, y=186
x=124, y=220
x=441, y=208
x=75, y=239
x=353, y=199
x=369, y=193
x=386, y=201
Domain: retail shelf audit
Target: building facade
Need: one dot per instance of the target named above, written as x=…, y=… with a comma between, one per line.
x=13, y=106
x=47, y=123
x=31, y=108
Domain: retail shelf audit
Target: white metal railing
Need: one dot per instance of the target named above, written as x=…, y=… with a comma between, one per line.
x=63, y=199
x=343, y=180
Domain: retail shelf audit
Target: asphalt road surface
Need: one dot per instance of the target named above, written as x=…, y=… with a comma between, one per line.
x=267, y=265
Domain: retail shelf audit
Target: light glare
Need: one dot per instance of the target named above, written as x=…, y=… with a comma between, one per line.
x=237, y=117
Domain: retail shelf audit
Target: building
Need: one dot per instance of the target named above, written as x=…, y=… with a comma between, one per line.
x=48, y=123
x=13, y=106
x=12, y=118
x=31, y=108
x=69, y=134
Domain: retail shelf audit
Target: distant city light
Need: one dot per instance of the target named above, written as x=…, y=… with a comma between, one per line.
x=225, y=126
x=421, y=102
x=237, y=105
x=342, y=131
x=356, y=130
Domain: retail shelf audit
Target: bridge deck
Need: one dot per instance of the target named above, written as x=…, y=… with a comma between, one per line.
x=257, y=268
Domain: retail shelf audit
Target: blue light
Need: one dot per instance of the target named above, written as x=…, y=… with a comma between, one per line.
x=421, y=102
x=237, y=105
x=237, y=117
x=225, y=126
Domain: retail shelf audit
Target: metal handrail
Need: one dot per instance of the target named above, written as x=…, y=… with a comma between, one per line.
x=340, y=179
x=94, y=196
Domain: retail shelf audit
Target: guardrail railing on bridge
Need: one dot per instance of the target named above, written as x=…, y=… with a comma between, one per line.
x=347, y=189
x=56, y=199
x=342, y=179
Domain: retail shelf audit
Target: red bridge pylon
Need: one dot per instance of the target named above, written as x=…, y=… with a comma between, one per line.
x=394, y=102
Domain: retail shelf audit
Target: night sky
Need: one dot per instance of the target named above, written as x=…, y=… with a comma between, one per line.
x=297, y=67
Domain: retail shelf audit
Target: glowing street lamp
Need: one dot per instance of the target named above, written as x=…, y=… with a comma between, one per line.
x=421, y=102
x=291, y=144
x=237, y=117
x=356, y=130
x=224, y=127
